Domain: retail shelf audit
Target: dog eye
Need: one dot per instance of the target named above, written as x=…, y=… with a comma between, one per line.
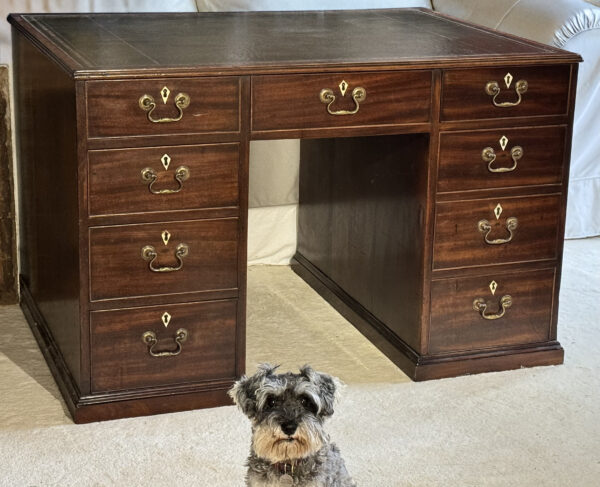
x=270, y=402
x=307, y=403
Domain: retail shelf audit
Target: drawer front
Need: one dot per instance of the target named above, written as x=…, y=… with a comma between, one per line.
x=206, y=105
x=465, y=98
x=500, y=158
x=460, y=238
x=124, y=345
x=294, y=102
x=204, y=252
x=459, y=306
x=163, y=178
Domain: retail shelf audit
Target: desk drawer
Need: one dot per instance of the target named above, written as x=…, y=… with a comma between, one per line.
x=121, y=358
x=163, y=178
x=459, y=306
x=464, y=94
x=528, y=226
x=206, y=105
x=204, y=252
x=500, y=158
x=295, y=102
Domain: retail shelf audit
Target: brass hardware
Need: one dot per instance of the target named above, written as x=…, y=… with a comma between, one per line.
x=147, y=103
x=165, y=235
x=508, y=80
x=149, y=338
x=343, y=87
x=165, y=318
x=480, y=305
x=166, y=160
x=165, y=92
x=358, y=94
x=493, y=286
x=498, y=210
x=488, y=155
x=503, y=142
x=492, y=88
x=150, y=176
x=149, y=254
x=485, y=227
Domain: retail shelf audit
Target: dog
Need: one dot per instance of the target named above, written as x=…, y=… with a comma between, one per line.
x=289, y=445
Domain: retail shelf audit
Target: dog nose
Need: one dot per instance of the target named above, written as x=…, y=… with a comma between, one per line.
x=289, y=428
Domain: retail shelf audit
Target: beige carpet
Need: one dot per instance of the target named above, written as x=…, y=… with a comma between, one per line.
x=530, y=427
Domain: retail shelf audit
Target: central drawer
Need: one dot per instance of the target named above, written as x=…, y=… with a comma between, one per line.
x=163, y=345
x=334, y=100
x=163, y=258
x=163, y=178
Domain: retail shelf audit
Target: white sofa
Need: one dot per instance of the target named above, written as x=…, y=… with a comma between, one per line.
x=571, y=24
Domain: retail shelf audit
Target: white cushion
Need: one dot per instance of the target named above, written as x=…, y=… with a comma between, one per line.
x=275, y=5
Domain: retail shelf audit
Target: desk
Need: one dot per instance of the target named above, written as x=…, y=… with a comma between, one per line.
x=434, y=167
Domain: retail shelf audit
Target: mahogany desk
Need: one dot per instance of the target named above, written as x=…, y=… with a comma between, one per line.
x=433, y=180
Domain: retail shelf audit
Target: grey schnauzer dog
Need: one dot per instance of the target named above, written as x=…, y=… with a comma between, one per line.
x=289, y=445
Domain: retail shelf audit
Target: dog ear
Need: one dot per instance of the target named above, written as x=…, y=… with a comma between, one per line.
x=327, y=386
x=244, y=390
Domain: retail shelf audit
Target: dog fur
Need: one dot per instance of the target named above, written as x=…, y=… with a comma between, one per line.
x=289, y=445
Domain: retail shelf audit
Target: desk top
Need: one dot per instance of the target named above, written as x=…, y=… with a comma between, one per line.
x=259, y=42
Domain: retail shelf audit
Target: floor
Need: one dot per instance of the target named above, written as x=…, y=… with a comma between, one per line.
x=532, y=427
x=283, y=311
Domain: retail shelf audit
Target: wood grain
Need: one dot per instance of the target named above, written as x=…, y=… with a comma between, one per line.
x=464, y=96
x=459, y=243
x=49, y=212
x=457, y=327
x=114, y=111
x=121, y=361
x=360, y=222
x=462, y=168
x=118, y=270
x=116, y=185
x=292, y=102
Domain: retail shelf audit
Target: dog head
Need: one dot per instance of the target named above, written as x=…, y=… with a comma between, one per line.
x=287, y=410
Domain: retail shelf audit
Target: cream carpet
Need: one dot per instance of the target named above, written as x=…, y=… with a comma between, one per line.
x=530, y=427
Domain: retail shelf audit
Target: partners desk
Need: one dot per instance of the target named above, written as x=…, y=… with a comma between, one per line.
x=433, y=184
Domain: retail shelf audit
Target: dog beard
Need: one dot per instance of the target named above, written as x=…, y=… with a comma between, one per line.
x=272, y=444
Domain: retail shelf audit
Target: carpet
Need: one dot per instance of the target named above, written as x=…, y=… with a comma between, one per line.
x=529, y=427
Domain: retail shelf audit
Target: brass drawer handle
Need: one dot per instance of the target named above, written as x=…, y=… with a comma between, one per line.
x=492, y=88
x=149, y=254
x=150, y=176
x=480, y=305
x=149, y=338
x=485, y=227
x=488, y=155
x=358, y=94
x=148, y=104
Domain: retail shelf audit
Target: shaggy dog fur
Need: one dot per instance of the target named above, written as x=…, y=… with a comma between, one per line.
x=289, y=444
